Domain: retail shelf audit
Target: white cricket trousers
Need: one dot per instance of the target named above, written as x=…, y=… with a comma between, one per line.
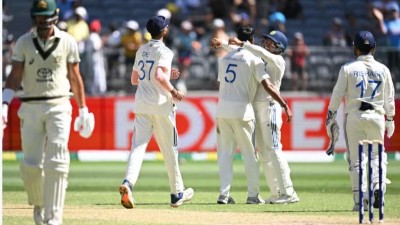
x=364, y=125
x=268, y=141
x=166, y=135
x=45, y=130
x=232, y=133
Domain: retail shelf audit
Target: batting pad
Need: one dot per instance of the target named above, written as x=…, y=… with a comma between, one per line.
x=33, y=181
x=56, y=169
x=55, y=187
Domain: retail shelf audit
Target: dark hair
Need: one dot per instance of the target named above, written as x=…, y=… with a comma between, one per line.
x=245, y=33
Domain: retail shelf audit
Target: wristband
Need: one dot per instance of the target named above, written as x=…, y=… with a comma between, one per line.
x=8, y=95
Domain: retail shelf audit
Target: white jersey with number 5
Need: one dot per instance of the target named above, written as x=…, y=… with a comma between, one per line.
x=364, y=80
x=151, y=97
x=239, y=73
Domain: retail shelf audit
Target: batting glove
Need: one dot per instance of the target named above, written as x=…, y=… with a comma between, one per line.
x=389, y=125
x=334, y=134
x=330, y=121
x=84, y=123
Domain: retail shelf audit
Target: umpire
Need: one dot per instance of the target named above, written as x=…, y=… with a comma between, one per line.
x=368, y=90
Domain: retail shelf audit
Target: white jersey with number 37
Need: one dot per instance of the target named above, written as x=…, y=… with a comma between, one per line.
x=151, y=97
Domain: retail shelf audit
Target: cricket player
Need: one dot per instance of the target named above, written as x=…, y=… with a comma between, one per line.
x=46, y=62
x=369, y=93
x=239, y=74
x=155, y=113
x=268, y=117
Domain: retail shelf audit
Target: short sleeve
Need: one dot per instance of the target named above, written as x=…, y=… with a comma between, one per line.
x=18, y=52
x=73, y=53
x=260, y=71
x=165, y=59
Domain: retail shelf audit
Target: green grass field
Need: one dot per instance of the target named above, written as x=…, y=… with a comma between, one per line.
x=93, y=198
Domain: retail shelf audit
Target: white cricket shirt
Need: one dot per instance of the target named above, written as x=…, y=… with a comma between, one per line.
x=239, y=73
x=275, y=66
x=45, y=63
x=151, y=97
x=364, y=79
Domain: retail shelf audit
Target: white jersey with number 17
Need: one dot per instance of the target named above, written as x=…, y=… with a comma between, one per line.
x=151, y=97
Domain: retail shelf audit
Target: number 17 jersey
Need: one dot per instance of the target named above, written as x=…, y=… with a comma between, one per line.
x=364, y=80
x=151, y=97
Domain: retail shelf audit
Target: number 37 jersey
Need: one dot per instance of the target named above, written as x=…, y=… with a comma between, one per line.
x=364, y=80
x=151, y=97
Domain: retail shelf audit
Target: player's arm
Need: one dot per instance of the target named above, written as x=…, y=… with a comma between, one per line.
x=76, y=83
x=162, y=76
x=219, y=43
x=260, y=52
x=271, y=90
x=338, y=91
x=134, y=77
x=388, y=104
x=263, y=77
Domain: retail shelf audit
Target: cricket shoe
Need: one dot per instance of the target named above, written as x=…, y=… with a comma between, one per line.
x=38, y=215
x=286, y=199
x=376, y=200
x=255, y=200
x=181, y=197
x=272, y=199
x=223, y=199
x=126, y=195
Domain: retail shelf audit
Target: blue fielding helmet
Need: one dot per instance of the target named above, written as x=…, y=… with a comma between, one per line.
x=279, y=38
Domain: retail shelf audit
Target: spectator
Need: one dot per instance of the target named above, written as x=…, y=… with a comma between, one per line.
x=391, y=28
x=249, y=7
x=67, y=8
x=113, y=55
x=292, y=9
x=97, y=84
x=79, y=28
x=298, y=54
x=131, y=40
x=336, y=35
x=277, y=22
x=384, y=6
x=184, y=45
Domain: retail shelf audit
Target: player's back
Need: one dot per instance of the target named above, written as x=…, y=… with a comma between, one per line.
x=151, y=97
x=238, y=74
x=366, y=81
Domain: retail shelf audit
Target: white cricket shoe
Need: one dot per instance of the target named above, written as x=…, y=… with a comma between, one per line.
x=180, y=198
x=126, y=195
x=38, y=215
x=272, y=199
x=255, y=200
x=285, y=199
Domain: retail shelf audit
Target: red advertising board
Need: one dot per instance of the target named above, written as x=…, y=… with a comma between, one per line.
x=196, y=125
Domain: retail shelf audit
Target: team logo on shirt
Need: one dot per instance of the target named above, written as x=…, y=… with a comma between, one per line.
x=44, y=75
x=31, y=61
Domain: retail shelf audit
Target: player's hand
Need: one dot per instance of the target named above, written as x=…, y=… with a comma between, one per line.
x=288, y=113
x=175, y=74
x=389, y=125
x=216, y=43
x=84, y=123
x=4, y=115
x=235, y=41
x=177, y=94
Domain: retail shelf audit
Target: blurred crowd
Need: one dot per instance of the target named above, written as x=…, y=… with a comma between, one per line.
x=108, y=48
